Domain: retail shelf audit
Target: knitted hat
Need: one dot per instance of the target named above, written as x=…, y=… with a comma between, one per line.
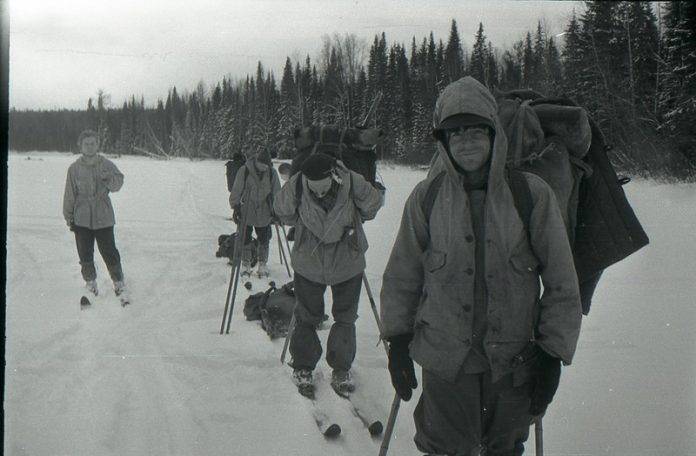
x=318, y=166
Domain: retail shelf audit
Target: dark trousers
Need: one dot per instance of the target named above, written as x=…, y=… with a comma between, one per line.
x=472, y=413
x=305, y=347
x=263, y=234
x=84, y=238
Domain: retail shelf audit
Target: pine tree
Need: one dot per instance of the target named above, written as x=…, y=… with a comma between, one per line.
x=453, y=55
x=478, y=62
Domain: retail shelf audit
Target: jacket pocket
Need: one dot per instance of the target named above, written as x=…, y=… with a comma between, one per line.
x=435, y=260
x=525, y=262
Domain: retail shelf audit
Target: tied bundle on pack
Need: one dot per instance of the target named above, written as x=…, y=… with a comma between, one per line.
x=556, y=140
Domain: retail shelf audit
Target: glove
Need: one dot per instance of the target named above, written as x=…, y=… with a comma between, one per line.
x=71, y=226
x=291, y=234
x=403, y=376
x=237, y=214
x=547, y=374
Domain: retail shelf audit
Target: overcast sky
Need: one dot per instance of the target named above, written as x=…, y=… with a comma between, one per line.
x=62, y=52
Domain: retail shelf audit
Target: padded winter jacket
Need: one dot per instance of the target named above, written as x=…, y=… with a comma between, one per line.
x=428, y=285
x=255, y=190
x=86, y=199
x=329, y=246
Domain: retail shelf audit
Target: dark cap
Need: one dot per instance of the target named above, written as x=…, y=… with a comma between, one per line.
x=465, y=120
x=318, y=166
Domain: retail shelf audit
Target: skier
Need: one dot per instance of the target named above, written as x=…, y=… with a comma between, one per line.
x=460, y=294
x=253, y=191
x=327, y=203
x=88, y=211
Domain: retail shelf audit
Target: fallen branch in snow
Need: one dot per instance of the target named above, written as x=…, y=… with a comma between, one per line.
x=150, y=154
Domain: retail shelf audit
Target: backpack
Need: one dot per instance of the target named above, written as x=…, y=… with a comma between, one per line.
x=232, y=167
x=353, y=146
x=226, y=243
x=556, y=140
x=273, y=307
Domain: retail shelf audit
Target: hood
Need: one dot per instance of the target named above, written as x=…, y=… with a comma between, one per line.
x=468, y=96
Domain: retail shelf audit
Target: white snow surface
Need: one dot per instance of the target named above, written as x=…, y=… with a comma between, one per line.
x=156, y=378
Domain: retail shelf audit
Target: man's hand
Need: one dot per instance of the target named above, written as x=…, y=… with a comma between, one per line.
x=237, y=214
x=403, y=375
x=547, y=374
x=71, y=225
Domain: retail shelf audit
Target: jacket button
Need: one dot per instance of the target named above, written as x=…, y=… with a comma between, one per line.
x=469, y=238
x=467, y=308
x=470, y=271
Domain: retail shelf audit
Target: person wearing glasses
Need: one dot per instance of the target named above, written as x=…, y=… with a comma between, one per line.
x=460, y=293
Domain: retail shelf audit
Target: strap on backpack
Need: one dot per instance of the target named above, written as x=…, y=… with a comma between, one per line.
x=430, y=195
x=522, y=196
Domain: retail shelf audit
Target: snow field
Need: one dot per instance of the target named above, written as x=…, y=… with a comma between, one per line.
x=156, y=377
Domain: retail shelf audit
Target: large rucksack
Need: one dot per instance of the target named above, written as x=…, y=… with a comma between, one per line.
x=353, y=146
x=232, y=167
x=557, y=141
x=274, y=307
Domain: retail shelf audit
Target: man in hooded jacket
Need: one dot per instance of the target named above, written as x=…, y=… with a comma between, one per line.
x=329, y=250
x=253, y=191
x=460, y=294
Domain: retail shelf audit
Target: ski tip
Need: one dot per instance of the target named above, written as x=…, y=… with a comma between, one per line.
x=332, y=431
x=375, y=428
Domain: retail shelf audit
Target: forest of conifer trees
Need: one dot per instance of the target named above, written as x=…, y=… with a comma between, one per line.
x=631, y=65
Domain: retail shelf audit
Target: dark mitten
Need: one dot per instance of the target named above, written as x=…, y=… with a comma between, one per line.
x=237, y=214
x=71, y=225
x=403, y=376
x=291, y=234
x=547, y=374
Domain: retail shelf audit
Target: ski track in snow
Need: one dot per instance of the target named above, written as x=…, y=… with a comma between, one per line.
x=156, y=378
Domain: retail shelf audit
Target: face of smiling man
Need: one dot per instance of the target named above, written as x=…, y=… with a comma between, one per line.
x=470, y=146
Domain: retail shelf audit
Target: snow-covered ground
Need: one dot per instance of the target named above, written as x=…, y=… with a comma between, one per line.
x=156, y=378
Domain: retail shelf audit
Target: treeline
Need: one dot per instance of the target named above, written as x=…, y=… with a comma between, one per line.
x=634, y=68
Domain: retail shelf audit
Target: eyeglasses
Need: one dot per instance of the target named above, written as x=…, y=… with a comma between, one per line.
x=470, y=133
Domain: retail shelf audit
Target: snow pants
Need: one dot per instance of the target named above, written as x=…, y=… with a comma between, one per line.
x=305, y=347
x=84, y=238
x=472, y=414
x=263, y=235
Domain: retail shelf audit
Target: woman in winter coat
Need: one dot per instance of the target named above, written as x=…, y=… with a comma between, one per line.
x=88, y=211
x=254, y=189
x=460, y=294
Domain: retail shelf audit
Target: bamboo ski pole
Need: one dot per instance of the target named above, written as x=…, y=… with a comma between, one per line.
x=236, y=275
x=291, y=329
x=396, y=402
x=235, y=268
x=280, y=245
x=283, y=255
x=539, y=437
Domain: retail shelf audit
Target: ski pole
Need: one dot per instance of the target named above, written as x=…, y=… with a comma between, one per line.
x=287, y=244
x=282, y=252
x=291, y=329
x=233, y=273
x=280, y=244
x=539, y=437
x=396, y=402
x=390, y=425
x=238, y=263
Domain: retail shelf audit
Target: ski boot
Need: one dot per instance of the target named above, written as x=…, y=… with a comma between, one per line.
x=91, y=286
x=263, y=261
x=342, y=382
x=119, y=287
x=262, y=270
x=304, y=381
